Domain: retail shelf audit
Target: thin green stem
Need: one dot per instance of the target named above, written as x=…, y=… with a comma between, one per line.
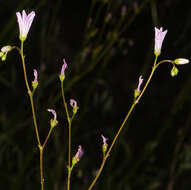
x=34, y=119
x=41, y=167
x=125, y=120
x=33, y=114
x=64, y=101
x=69, y=136
x=46, y=140
x=24, y=68
x=69, y=154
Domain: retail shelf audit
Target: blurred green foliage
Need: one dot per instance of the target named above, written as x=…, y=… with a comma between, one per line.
x=106, y=51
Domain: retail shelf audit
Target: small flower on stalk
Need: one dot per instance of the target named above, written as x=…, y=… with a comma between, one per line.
x=159, y=37
x=105, y=145
x=62, y=73
x=137, y=91
x=35, y=81
x=77, y=156
x=4, y=52
x=73, y=104
x=181, y=61
x=24, y=22
x=53, y=122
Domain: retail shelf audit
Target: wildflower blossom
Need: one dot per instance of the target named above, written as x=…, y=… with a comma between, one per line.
x=159, y=37
x=24, y=22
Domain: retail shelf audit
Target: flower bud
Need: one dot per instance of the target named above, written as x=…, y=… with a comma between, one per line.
x=6, y=49
x=73, y=104
x=53, y=122
x=181, y=61
x=35, y=81
x=174, y=71
x=62, y=73
x=77, y=156
x=105, y=145
x=4, y=52
x=138, y=90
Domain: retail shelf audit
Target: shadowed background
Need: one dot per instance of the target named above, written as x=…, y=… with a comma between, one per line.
x=106, y=51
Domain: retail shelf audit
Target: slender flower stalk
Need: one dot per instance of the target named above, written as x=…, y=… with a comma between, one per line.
x=24, y=22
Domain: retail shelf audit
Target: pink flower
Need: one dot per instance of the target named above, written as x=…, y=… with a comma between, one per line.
x=140, y=82
x=24, y=22
x=159, y=37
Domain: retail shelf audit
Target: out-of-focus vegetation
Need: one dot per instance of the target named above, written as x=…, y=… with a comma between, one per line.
x=107, y=45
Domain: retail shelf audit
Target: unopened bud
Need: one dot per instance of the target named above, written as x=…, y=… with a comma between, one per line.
x=181, y=61
x=174, y=71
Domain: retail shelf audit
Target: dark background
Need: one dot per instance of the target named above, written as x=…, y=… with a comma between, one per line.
x=105, y=61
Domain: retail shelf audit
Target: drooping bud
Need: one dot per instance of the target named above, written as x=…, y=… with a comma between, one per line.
x=4, y=52
x=181, y=61
x=77, y=156
x=53, y=122
x=174, y=71
x=6, y=49
x=73, y=104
